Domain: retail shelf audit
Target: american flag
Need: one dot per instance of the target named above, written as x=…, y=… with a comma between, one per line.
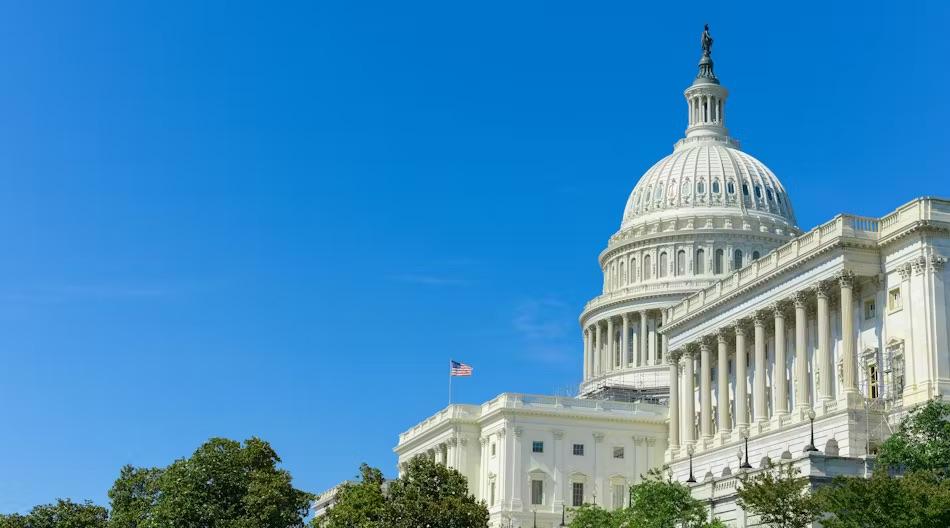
x=459, y=369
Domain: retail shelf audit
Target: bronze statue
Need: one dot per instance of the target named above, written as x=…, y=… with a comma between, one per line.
x=707, y=41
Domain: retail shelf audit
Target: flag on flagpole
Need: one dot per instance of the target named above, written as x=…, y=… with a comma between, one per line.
x=460, y=369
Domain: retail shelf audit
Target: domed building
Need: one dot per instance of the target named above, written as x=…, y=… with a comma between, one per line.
x=695, y=216
x=721, y=328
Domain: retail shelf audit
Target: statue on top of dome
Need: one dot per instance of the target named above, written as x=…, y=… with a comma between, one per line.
x=707, y=41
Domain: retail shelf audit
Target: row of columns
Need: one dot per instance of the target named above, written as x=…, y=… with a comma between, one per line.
x=824, y=360
x=603, y=353
x=704, y=109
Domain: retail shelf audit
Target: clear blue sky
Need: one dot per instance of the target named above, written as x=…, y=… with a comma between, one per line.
x=282, y=220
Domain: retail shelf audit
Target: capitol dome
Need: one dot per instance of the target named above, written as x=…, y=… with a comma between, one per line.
x=708, y=173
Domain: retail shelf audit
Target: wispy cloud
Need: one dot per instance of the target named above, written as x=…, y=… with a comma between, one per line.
x=429, y=280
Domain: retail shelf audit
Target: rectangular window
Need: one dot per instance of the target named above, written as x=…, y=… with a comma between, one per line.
x=537, y=492
x=577, y=494
x=894, y=300
x=869, y=311
x=491, y=496
x=579, y=449
x=872, y=382
x=619, y=490
x=618, y=452
x=537, y=447
x=493, y=450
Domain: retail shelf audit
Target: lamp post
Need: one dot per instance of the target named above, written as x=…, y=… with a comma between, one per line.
x=562, y=516
x=811, y=442
x=690, y=449
x=746, y=464
x=535, y=518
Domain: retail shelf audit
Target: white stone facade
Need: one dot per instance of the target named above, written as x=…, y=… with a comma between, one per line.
x=524, y=454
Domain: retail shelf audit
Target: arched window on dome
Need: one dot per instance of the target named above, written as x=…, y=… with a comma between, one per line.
x=699, y=268
x=715, y=187
x=632, y=271
x=731, y=188
x=647, y=270
x=663, y=265
x=623, y=273
x=680, y=263
x=758, y=191
x=755, y=255
x=718, y=262
x=659, y=192
x=745, y=189
x=768, y=193
x=737, y=259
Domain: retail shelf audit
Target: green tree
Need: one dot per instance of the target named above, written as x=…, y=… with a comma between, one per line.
x=593, y=516
x=430, y=494
x=133, y=497
x=922, y=442
x=63, y=514
x=359, y=504
x=659, y=502
x=919, y=500
x=780, y=496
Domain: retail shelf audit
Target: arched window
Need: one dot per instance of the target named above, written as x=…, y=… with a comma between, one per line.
x=768, y=193
x=730, y=188
x=745, y=189
x=700, y=188
x=715, y=187
x=758, y=191
x=632, y=272
x=647, y=271
x=717, y=263
x=623, y=273
x=737, y=259
x=681, y=263
x=755, y=255
x=664, y=265
x=659, y=192
x=699, y=267
x=613, y=276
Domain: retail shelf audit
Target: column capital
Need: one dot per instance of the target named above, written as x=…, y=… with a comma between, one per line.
x=758, y=319
x=558, y=434
x=598, y=437
x=483, y=440
x=673, y=357
x=452, y=441
x=519, y=431
x=904, y=271
x=738, y=328
x=778, y=310
x=822, y=290
x=920, y=265
x=800, y=299
x=845, y=279
x=705, y=344
x=937, y=263
x=625, y=317
x=722, y=335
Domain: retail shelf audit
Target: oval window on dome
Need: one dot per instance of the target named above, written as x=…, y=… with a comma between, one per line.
x=758, y=191
x=715, y=187
x=745, y=189
x=768, y=193
x=686, y=189
x=731, y=188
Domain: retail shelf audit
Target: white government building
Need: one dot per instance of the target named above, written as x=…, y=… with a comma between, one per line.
x=720, y=325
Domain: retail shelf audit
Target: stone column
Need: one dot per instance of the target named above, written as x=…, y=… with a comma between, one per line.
x=664, y=340
x=759, y=374
x=674, y=402
x=624, y=339
x=705, y=391
x=802, y=400
x=689, y=397
x=596, y=350
x=516, y=484
x=779, y=380
x=644, y=334
x=742, y=389
x=850, y=382
x=586, y=354
x=825, y=363
x=611, y=353
x=722, y=387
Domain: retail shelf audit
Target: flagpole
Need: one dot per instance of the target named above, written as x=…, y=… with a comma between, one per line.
x=450, y=382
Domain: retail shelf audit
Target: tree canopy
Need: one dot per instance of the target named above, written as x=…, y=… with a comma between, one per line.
x=780, y=496
x=63, y=514
x=922, y=441
x=427, y=494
